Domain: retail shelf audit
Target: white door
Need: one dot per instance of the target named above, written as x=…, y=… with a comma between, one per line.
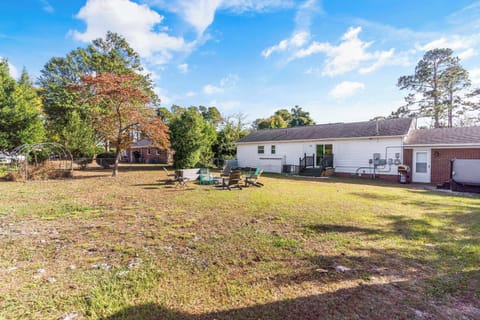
x=421, y=166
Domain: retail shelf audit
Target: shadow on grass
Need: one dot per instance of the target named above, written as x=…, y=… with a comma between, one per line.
x=84, y=177
x=324, y=228
x=334, y=179
x=380, y=301
x=419, y=282
x=426, y=200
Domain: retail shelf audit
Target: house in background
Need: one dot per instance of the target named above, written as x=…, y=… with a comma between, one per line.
x=143, y=151
x=369, y=149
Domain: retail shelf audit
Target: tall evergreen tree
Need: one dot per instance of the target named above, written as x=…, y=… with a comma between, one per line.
x=191, y=137
x=20, y=110
x=435, y=87
x=454, y=81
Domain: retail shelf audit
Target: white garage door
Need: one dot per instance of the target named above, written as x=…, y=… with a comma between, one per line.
x=271, y=164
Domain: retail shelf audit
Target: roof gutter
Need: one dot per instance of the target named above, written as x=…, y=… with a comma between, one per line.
x=449, y=145
x=322, y=139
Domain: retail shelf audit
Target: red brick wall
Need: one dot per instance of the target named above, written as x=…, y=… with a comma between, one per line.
x=164, y=156
x=407, y=159
x=441, y=161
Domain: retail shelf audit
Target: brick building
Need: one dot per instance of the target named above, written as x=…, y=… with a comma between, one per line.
x=428, y=152
x=143, y=151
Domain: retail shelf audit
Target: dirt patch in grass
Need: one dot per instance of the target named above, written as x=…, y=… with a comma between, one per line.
x=97, y=247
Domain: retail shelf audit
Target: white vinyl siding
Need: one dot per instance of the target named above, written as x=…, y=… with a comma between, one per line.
x=349, y=155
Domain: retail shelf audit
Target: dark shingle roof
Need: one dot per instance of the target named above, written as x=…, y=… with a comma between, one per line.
x=463, y=135
x=380, y=128
x=141, y=143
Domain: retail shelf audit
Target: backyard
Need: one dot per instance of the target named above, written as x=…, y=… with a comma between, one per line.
x=97, y=247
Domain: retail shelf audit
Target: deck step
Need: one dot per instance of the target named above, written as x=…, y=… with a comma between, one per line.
x=311, y=172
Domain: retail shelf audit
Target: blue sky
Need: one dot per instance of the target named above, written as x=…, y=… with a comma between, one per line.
x=338, y=59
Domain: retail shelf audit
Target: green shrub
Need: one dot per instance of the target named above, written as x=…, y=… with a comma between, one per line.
x=105, y=159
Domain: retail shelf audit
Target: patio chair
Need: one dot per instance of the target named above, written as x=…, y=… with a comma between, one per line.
x=252, y=180
x=205, y=176
x=234, y=180
x=171, y=177
x=226, y=171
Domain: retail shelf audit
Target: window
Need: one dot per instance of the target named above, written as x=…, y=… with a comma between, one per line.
x=272, y=149
x=324, y=151
x=158, y=152
x=328, y=149
x=261, y=149
x=148, y=151
x=422, y=162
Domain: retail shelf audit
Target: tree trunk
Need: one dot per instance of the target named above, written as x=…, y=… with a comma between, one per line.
x=117, y=161
x=435, y=98
x=450, y=110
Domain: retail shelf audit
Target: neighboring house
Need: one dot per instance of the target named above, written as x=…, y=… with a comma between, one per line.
x=428, y=151
x=369, y=148
x=143, y=151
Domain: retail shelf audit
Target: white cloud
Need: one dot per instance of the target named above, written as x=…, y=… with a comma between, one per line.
x=466, y=18
x=454, y=42
x=312, y=70
x=301, y=34
x=464, y=45
x=47, y=7
x=163, y=95
x=155, y=76
x=240, y=6
x=200, y=14
x=381, y=58
x=191, y=94
x=211, y=89
x=464, y=55
x=296, y=41
x=348, y=55
x=305, y=13
x=475, y=76
x=13, y=71
x=133, y=21
x=226, y=105
x=183, y=68
x=346, y=89
x=227, y=82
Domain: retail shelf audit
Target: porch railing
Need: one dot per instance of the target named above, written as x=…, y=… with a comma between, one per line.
x=306, y=162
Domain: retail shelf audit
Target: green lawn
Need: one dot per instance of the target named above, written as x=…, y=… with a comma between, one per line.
x=97, y=247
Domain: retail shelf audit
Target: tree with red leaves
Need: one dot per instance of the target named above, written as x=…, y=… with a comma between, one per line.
x=118, y=105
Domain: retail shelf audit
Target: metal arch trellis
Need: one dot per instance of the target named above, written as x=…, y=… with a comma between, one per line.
x=54, y=152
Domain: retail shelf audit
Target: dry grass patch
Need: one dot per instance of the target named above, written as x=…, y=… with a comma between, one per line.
x=97, y=247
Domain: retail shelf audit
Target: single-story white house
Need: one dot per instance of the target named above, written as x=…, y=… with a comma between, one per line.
x=361, y=148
